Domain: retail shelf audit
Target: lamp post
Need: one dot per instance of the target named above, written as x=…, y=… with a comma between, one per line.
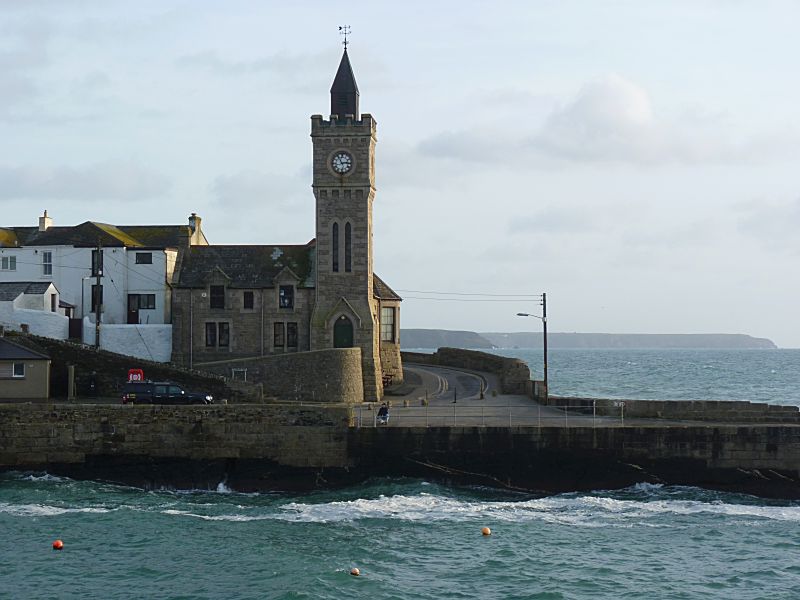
x=543, y=319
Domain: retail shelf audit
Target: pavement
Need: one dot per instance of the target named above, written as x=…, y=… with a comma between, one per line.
x=445, y=397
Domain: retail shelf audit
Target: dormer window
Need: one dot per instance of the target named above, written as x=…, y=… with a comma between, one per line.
x=286, y=296
x=217, y=296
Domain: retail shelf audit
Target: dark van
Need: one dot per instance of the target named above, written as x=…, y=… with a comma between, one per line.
x=161, y=392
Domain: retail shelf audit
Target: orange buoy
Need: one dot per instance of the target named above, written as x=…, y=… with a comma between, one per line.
x=58, y=545
x=355, y=572
x=486, y=531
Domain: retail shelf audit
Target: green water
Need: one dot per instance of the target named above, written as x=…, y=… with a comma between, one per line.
x=410, y=539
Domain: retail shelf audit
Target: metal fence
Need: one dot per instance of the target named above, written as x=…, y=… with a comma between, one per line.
x=491, y=415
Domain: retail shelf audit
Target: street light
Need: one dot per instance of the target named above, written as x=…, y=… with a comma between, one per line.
x=543, y=319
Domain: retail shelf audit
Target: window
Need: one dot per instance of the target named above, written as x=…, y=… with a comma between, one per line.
x=217, y=296
x=239, y=374
x=291, y=335
x=174, y=390
x=8, y=263
x=286, y=296
x=348, y=248
x=19, y=370
x=224, y=334
x=97, y=263
x=335, y=247
x=141, y=301
x=278, y=337
x=248, y=300
x=218, y=335
x=144, y=258
x=97, y=297
x=53, y=303
x=47, y=263
x=211, y=335
x=387, y=324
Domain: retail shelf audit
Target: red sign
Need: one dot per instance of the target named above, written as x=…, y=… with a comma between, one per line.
x=135, y=375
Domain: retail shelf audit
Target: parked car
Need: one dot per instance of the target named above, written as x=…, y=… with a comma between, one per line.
x=161, y=392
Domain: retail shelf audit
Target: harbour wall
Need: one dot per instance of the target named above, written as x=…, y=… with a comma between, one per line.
x=715, y=411
x=293, y=446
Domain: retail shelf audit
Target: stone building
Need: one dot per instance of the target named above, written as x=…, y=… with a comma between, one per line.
x=240, y=302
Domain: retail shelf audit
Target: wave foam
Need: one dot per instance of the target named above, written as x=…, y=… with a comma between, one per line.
x=44, y=510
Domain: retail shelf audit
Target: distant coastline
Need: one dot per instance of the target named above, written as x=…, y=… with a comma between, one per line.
x=437, y=338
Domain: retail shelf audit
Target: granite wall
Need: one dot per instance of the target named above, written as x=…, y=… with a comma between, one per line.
x=332, y=375
x=717, y=411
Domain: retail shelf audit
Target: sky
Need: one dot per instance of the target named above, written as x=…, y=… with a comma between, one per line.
x=635, y=160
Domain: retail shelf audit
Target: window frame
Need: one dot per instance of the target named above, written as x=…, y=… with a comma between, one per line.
x=14, y=374
x=388, y=327
x=47, y=262
x=248, y=300
x=291, y=335
x=279, y=335
x=348, y=248
x=10, y=263
x=286, y=301
x=216, y=294
x=95, y=289
x=335, y=247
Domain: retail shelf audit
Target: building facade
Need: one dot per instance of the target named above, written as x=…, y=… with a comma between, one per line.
x=235, y=302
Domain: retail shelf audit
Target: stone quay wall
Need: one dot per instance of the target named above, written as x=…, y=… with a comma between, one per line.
x=717, y=411
x=762, y=460
x=513, y=373
x=331, y=375
x=272, y=446
x=40, y=435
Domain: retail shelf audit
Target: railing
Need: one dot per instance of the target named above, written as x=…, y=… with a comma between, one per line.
x=490, y=415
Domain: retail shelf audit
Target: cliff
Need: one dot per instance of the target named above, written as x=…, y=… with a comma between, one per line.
x=437, y=338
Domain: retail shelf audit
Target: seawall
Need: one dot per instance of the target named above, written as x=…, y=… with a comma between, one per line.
x=275, y=447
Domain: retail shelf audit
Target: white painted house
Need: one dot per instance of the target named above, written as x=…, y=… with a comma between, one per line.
x=127, y=269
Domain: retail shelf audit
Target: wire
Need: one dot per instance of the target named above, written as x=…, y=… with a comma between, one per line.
x=461, y=299
x=472, y=294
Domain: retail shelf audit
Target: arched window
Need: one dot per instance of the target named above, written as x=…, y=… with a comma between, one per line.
x=348, y=248
x=335, y=247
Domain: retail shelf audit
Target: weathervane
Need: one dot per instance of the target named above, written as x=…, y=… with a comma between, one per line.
x=344, y=30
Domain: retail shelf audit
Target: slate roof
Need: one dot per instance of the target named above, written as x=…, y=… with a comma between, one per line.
x=11, y=351
x=11, y=290
x=246, y=266
x=383, y=291
x=344, y=91
x=87, y=234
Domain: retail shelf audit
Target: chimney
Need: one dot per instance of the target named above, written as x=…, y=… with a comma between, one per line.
x=45, y=222
x=194, y=223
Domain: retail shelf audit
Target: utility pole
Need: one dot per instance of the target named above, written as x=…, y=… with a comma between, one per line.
x=544, y=343
x=98, y=293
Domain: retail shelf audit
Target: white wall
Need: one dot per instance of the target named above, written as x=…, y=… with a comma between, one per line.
x=40, y=322
x=151, y=342
x=72, y=275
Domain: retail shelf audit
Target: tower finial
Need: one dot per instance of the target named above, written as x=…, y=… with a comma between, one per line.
x=344, y=30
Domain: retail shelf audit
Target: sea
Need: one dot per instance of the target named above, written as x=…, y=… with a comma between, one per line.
x=418, y=539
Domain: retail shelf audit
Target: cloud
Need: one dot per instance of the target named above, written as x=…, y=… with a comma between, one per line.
x=609, y=121
x=100, y=182
x=555, y=220
x=773, y=224
x=251, y=188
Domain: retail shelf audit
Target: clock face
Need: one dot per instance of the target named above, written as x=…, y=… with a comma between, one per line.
x=342, y=162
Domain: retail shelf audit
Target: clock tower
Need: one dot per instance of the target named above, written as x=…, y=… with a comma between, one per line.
x=346, y=313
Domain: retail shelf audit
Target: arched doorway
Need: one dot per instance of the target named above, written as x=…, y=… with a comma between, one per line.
x=343, y=333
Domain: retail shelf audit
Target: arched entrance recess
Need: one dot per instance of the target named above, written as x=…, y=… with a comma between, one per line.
x=343, y=333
